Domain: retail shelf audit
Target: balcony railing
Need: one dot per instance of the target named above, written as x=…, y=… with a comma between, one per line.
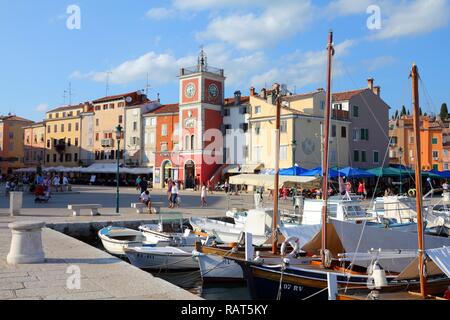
x=200, y=68
x=339, y=114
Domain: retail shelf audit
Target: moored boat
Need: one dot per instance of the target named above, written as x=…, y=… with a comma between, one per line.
x=116, y=239
x=162, y=258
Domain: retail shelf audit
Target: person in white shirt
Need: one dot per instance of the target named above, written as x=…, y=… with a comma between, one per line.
x=203, y=196
x=145, y=198
x=55, y=182
x=174, y=193
x=445, y=186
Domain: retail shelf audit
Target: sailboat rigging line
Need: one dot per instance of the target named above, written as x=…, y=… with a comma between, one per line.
x=283, y=267
x=314, y=294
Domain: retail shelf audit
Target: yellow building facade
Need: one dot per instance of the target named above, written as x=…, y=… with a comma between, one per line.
x=63, y=135
x=301, y=131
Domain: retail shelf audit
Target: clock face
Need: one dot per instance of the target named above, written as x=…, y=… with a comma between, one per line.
x=190, y=90
x=213, y=91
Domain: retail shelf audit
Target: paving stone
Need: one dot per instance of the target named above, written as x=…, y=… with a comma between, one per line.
x=7, y=294
x=11, y=285
x=18, y=279
x=40, y=292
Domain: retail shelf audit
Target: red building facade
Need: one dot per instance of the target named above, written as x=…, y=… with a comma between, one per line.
x=199, y=118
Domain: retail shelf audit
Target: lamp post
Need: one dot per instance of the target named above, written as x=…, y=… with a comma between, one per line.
x=118, y=136
x=400, y=153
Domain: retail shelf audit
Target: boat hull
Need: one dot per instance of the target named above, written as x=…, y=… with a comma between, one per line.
x=214, y=268
x=158, y=259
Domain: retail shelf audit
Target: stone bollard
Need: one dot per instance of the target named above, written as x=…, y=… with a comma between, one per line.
x=26, y=243
x=15, y=202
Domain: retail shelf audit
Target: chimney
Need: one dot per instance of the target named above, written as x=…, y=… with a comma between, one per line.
x=377, y=90
x=237, y=97
x=159, y=100
x=252, y=91
x=370, y=83
x=263, y=93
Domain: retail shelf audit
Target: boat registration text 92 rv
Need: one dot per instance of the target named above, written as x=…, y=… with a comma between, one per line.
x=229, y=309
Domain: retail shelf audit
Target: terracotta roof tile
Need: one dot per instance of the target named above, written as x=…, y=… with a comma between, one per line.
x=231, y=101
x=347, y=95
x=133, y=95
x=165, y=108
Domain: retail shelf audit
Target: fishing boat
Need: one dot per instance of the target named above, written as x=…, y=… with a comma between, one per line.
x=169, y=230
x=162, y=258
x=116, y=239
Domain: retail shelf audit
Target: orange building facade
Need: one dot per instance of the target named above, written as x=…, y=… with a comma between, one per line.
x=434, y=153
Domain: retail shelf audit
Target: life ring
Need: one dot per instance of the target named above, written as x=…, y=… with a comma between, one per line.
x=412, y=192
x=295, y=243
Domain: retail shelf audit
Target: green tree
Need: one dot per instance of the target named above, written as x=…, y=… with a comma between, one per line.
x=396, y=114
x=408, y=113
x=420, y=111
x=444, y=111
x=403, y=111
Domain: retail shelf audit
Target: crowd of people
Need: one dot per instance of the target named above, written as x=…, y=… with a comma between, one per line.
x=41, y=184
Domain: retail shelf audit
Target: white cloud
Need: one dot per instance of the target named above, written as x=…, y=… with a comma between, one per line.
x=379, y=62
x=304, y=68
x=42, y=107
x=197, y=5
x=414, y=18
x=348, y=7
x=160, y=13
x=252, y=31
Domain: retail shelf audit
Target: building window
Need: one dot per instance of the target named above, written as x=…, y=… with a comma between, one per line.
x=283, y=152
x=69, y=142
x=226, y=112
x=376, y=157
x=121, y=104
x=283, y=126
x=54, y=157
x=245, y=152
x=76, y=126
x=257, y=109
x=364, y=134
x=48, y=158
x=134, y=126
x=356, y=134
x=355, y=155
x=257, y=129
x=164, y=130
x=76, y=142
x=57, y=115
x=164, y=146
x=105, y=107
x=55, y=128
x=434, y=141
x=343, y=132
x=63, y=114
x=322, y=105
x=227, y=127
x=48, y=143
x=243, y=127
x=111, y=105
x=363, y=156
x=435, y=167
x=69, y=127
x=192, y=142
x=186, y=142
x=68, y=157
x=75, y=157
x=435, y=155
x=355, y=111
x=411, y=140
x=48, y=129
x=333, y=131
x=97, y=136
x=62, y=127
x=97, y=122
x=445, y=166
x=120, y=119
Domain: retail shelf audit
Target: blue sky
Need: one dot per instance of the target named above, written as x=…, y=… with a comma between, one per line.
x=256, y=42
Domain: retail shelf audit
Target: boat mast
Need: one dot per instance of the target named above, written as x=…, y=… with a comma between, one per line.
x=418, y=168
x=326, y=145
x=277, y=172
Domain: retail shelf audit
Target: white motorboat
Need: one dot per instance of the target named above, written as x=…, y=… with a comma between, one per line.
x=116, y=239
x=162, y=258
x=258, y=223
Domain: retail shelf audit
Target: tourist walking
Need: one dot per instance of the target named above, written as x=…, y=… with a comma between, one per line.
x=203, y=196
x=360, y=189
x=169, y=192
x=174, y=192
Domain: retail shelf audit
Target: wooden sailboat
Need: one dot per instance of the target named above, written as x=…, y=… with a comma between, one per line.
x=437, y=285
x=289, y=279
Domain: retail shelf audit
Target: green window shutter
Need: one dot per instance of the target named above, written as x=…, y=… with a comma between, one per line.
x=363, y=156
x=356, y=156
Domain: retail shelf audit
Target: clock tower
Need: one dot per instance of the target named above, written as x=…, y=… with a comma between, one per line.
x=201, y=100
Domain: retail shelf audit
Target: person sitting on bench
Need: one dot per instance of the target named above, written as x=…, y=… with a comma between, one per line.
x=145, y=199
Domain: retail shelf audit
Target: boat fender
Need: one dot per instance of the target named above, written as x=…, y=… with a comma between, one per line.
x=326, y=258
x=295, y=243
x=379, y=276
